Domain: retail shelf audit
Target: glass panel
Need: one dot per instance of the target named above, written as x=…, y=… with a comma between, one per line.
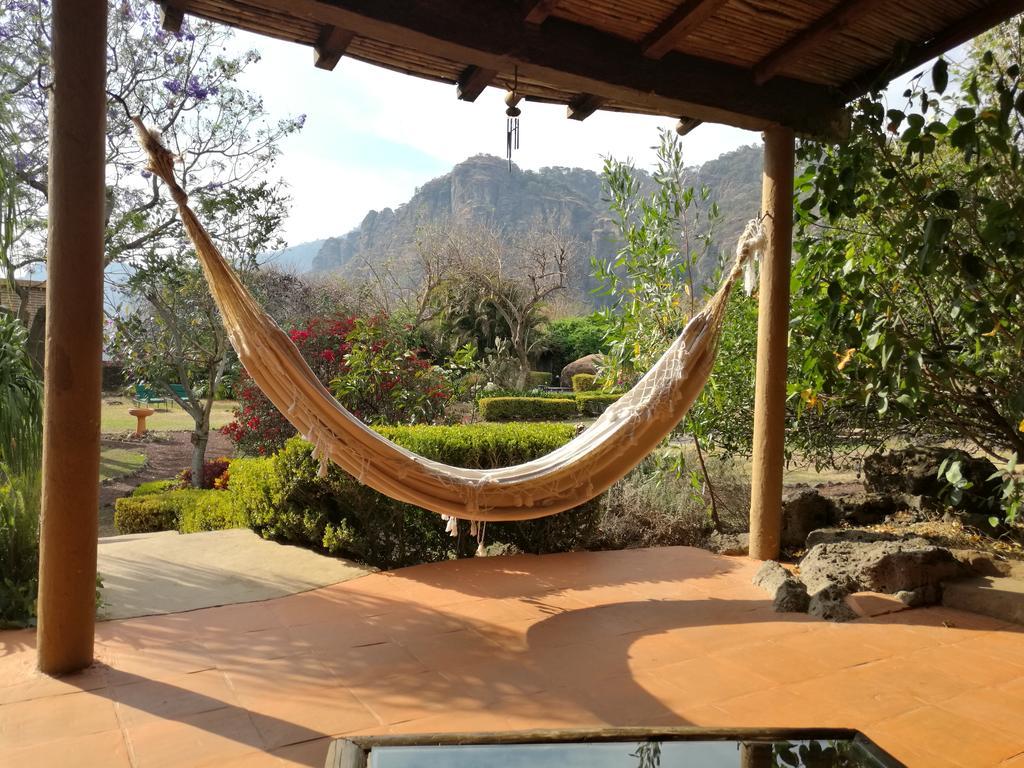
x=651, y=754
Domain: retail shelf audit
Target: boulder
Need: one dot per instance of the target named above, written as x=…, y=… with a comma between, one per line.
x=788, y=593
x=892, y=566
x=804, y=510
x=829, y=603
x=588, y=364
x=729, y=543
x=914, y=472
x=855, y=535
x=982, y=563
x=867, y=508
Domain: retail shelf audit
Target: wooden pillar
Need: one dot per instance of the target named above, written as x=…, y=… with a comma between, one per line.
x=74, y=337
x=772, y=344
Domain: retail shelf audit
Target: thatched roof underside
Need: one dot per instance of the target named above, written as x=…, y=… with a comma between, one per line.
x=749, y=63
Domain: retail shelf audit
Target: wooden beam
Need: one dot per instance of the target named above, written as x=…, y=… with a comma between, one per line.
x=74, y=337
x=172, y=15
x=472, y=82
x=673, y=30
x=814, y=36
x=772, y=343
x=685, y=125
x=955, y=34
x=331, y=46
x=573, y=57
x=583, y=106
x=537, y=11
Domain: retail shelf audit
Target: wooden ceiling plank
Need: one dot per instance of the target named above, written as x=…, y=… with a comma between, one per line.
x=583, y=106
x=814, y=36
x=673, y=30
x=473, y=81
x=573, y=57
x=955, y=34
x=537, y=11
x=172, y=16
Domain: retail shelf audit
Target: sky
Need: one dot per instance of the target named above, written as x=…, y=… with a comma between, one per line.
x=373, y=136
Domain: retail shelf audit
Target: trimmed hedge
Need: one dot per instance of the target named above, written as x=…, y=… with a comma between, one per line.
x=154, y=486
x=526, y=408
x=594, y=403
x=541, y=393
x=284, y=499
x=584, y=382
x=539, y=379
x=186, y=510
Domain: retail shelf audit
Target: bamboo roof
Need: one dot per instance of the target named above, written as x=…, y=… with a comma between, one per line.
x=748, y=63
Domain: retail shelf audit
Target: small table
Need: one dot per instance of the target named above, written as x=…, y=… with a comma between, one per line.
x=141, y=414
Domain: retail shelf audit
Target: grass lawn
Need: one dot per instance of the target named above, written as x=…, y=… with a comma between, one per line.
x=115, y=462
x=114, y=417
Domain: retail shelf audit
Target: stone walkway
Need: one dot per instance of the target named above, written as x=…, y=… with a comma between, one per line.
x=663, y=637
x=166, y=572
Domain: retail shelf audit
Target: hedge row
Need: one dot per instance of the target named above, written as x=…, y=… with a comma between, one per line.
x=540, y=409
x=526, y=408
x=153, y=508
x=284, y=499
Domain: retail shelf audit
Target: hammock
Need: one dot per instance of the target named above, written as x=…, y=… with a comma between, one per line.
x=616, y=442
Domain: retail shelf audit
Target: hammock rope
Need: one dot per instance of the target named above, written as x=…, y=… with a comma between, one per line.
x=576, y=472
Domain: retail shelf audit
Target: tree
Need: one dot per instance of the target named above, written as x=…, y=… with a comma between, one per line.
x=173, y=334
x=910, y=274
x=513, y=275
x=185, y=85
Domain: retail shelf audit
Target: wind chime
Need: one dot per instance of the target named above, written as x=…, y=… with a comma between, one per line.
x=512, y=113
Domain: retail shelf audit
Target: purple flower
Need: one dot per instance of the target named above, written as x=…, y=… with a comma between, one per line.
x=146, y=174
x=196, y=90
x=174, y=86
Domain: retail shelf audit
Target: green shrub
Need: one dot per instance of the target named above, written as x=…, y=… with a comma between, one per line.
x=284, y=499
x=584, y=382
x=186, y=510
x=146, y=514
x=594, y=403
x=539, y=379
x=154, y=486
x=546, y=394
x=526, y=408
x=208, y=510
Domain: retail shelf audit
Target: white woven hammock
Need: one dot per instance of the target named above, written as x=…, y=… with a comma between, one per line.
x=578, y=471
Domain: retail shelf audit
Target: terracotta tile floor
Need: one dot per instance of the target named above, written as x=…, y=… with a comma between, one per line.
x=645, y=637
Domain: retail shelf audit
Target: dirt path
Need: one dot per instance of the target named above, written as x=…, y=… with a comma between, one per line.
x=163, y=460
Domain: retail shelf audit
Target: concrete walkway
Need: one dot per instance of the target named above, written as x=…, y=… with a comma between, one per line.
x=166, y=572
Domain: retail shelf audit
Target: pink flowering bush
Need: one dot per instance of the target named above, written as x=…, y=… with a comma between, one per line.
x=371, y=364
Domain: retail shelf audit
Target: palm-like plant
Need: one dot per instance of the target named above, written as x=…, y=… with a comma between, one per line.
x=21, y=404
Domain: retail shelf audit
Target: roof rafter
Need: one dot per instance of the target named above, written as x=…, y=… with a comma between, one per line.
x=685, y=125
x=172, y=14
x=331, y=46
x=537, y=11
x=956, y=34
x=491, y=34
x=583, y=106
x=684, y=20
x=814, y=36
x=473, y=81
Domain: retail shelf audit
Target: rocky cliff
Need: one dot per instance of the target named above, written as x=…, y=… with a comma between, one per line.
x=481, y=190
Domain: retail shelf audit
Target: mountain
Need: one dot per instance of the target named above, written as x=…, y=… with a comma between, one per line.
x=298, y=258
x=482, y=190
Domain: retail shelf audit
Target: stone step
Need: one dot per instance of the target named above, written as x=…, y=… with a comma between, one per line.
x=1001, y=597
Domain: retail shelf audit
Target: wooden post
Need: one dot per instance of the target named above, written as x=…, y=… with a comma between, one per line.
x=74, y=337
x=772, y=344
